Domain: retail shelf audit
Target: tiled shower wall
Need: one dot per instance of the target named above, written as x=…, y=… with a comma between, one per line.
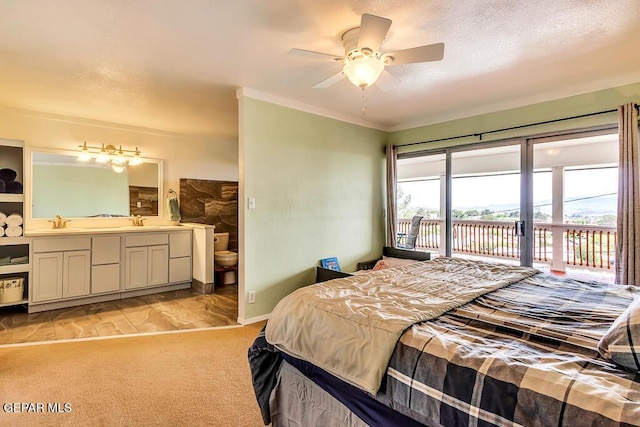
x=211, y=202
x=143, y=201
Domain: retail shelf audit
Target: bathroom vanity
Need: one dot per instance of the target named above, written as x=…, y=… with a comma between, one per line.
x=93, y=235
x=80, y=266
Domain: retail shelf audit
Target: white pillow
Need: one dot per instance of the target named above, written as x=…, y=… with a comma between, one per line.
x=390, y=262
x=621, y=343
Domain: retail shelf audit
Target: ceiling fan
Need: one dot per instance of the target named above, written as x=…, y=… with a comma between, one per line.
x=363, y=61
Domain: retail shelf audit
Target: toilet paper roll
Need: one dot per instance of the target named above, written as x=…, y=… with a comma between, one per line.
x=3, y=219
x=13, y=220
x=13, y=231
x=1, y=231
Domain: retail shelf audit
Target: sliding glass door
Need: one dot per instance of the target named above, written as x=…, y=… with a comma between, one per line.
x=421, y=191
x=575, y=202
x=547, y=202
x=485, y=203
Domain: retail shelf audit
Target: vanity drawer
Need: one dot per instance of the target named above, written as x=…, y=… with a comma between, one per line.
x=180, y=244
x=105, y=250
x=146, y=239
x=58, y=244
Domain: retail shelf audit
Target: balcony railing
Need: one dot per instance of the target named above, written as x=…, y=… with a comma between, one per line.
x=590, y=247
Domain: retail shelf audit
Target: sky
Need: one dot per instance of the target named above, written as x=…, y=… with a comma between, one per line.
x=504, y=190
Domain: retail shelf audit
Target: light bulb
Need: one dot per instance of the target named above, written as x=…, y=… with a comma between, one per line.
x=119, y=158
x=136, y=159
x=103, y=157
x=117, y=168
x=84, y=155
x=363, y=71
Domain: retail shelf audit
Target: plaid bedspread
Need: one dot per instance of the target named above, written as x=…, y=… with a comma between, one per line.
x=523, y=355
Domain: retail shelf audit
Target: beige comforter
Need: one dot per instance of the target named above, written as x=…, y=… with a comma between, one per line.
x=349, y=327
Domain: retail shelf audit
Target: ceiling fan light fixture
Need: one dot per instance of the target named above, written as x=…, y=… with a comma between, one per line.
x=364, y=59
x=363, y=71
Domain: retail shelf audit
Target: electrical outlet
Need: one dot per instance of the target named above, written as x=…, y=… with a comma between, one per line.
x=139, y=204
x=251, y=297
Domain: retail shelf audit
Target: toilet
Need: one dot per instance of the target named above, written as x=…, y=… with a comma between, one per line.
x=224, y=257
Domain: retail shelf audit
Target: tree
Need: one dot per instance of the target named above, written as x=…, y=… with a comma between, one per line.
x=403, y=203
x=541, y=216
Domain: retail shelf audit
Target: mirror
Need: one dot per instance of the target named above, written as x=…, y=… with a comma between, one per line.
x=62, y=185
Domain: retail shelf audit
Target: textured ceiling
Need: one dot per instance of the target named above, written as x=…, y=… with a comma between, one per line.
x=176, y=65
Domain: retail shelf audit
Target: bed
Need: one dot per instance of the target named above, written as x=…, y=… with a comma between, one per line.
x=451, y=342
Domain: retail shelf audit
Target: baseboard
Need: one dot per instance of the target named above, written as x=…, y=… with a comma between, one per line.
x=45, y=306
x=254, y=319
x=202, y=288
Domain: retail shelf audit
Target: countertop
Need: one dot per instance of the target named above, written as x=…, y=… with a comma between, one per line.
x=73, y=231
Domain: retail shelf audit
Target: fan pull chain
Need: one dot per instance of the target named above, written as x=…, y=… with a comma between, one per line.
x=364, y=102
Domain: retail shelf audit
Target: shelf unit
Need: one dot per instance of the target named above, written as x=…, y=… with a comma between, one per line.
x=12, y=156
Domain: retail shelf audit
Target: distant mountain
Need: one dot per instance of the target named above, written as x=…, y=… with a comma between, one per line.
x=600, y=206
x=604, y=205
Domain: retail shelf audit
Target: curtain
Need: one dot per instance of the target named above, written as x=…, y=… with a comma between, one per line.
x=392, y=179
x=627, y=264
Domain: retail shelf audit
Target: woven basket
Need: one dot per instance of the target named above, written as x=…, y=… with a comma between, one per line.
x=11, y=289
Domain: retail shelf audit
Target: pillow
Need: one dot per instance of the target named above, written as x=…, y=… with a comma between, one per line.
x=390, y=262
x=621, y=343
x=397, y=262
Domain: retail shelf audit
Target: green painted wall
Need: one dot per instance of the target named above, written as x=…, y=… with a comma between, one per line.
x=318, y=184
x=577, y=105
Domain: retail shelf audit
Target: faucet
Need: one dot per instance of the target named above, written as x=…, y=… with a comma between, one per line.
x=59, y=222
x=137, y=221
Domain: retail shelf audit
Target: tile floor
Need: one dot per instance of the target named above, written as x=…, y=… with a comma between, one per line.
x=167, y=311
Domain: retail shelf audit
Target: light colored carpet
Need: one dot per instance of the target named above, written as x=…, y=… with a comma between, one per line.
x=192, y=378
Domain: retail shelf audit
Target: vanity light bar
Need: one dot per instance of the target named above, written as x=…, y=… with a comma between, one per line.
x=109, y=153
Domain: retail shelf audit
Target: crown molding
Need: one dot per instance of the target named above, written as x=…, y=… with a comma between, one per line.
x=532, y=100
x=300, y=106
x=97, y=123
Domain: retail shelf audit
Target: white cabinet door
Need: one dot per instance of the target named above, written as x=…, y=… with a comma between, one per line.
x=76, y=269
x=105, y=278
x=158, y=265
x=180, y=270
x=46, y=280
x=135, y=274
x=146, y=266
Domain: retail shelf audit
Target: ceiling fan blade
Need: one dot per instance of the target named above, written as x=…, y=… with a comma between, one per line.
x=330, y=81
x=315, y=55
x=373, y=30
x=387, y=81
x=428, y=53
